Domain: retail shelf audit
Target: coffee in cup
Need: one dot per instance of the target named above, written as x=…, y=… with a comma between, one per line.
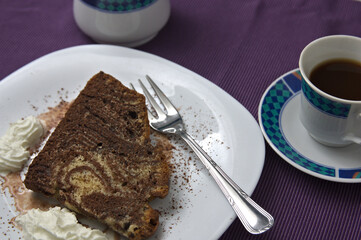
x=338, y=77
x=331, y=90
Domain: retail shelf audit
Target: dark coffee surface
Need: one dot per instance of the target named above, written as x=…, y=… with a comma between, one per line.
x=339, y=77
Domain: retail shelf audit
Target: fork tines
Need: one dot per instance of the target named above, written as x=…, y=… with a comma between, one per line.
x=171, y=110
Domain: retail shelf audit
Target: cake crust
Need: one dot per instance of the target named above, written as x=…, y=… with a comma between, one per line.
x=100, y=162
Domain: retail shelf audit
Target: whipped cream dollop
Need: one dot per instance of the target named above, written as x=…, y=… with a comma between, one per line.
x=15, y=144
x=56, y=223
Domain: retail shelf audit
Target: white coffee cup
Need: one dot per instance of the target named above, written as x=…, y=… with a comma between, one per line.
x=122, y=22
x=330, y=120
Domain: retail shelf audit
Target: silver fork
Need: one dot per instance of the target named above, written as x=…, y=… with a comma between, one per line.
x=255, y=219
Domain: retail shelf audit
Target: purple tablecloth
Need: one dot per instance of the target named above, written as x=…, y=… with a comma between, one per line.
x=242, y=46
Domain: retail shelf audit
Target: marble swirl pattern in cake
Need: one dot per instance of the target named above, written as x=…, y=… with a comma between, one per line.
x=15, y=144
x=102, y=183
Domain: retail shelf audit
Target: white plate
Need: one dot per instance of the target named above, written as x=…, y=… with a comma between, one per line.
x=279, y=120
x=222, y=126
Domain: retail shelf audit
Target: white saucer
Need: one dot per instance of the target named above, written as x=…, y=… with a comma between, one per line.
x=279, y=120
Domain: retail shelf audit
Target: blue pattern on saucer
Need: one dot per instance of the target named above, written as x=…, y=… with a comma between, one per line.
x=274, y=101
x=350, y=173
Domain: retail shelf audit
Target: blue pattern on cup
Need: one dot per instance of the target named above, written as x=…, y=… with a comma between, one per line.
x=335, y=109
x=119, y=5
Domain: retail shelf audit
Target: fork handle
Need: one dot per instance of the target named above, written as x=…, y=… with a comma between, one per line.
x=254, y=218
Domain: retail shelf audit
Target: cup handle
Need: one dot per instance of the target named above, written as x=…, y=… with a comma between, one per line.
x=355, y=137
